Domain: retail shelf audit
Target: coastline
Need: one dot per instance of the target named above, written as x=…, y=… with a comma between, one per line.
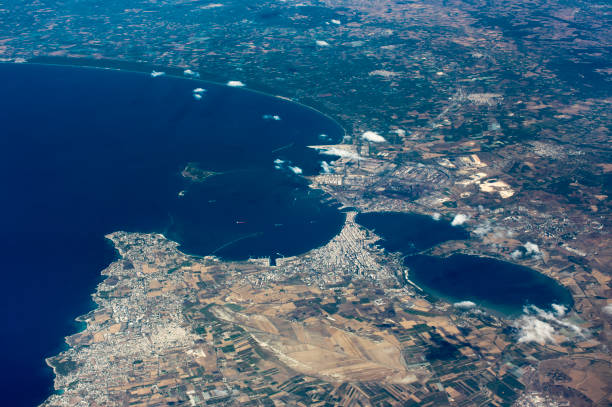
x=80, y=322
x=174, y=72
x=133, y=263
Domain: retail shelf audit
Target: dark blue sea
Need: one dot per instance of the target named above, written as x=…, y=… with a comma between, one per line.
x=502, y=287
x=85, y=152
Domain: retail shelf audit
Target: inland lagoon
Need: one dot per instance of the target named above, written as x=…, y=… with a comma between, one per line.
x=502, y=287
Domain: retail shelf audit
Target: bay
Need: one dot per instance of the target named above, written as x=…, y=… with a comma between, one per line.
x=85, y=152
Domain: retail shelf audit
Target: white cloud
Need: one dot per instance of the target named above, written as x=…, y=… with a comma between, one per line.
x=278, y=163
x=235, y=84
x=198, y=93
x=282, y=164
x=322, y=43
x=340, y=152
x=191, y=74
x=373, y=137
x=607, y=309
x=271, y=117
x=337, y=22
x=531, y=329
x=486, y=227
x=211, y=5
x=459, y=219
x=436, y=216
x=483, y=229
x=325, y=167
x=464, y=304
x=155, y=74
x=549, y=316
x=560, y=310
x=531, y=248
x=517, y=254
x=538, y=325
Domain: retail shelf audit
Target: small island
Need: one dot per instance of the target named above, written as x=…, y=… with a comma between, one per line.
x=195, y=173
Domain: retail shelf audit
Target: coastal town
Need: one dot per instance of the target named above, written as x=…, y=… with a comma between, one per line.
x=331, y=327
